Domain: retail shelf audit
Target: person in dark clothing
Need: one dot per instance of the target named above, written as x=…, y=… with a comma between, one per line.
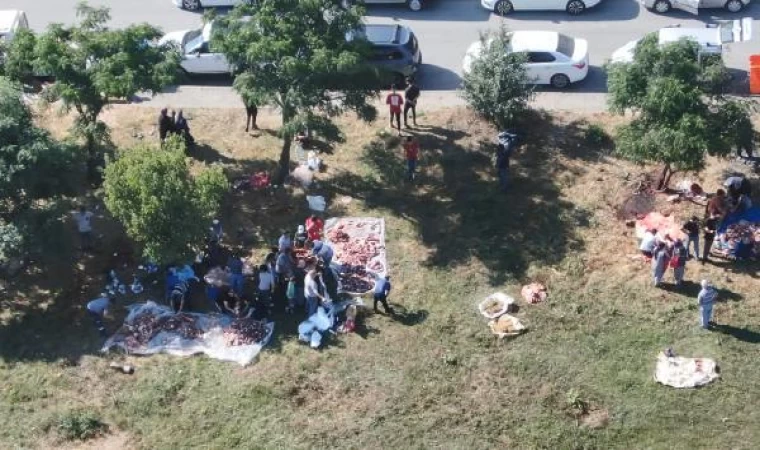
x=411, y=95
x=251, y=113
x=503, y=154
x=382, y=289
x=165, y=124
x=709, y=230
x=182, y=128
x=691, y=228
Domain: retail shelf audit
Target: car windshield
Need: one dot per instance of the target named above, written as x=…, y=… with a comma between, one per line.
x=193, y=41
x=565, y=45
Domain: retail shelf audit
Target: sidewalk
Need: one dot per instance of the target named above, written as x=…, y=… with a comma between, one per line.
x=188, y=97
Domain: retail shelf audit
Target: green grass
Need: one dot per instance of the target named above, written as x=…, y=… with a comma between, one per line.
x=434, y=377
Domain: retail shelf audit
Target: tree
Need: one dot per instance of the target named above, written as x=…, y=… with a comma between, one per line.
x=35, y=170
x=93, y=64
x=497, y=85
x=152, y=193
x=17, y=62
x=294, y=55
x=679, y=111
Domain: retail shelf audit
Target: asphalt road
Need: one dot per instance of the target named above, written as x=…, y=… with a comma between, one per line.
x=444, y=29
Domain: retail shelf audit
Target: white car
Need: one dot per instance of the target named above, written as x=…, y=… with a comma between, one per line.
x=553, y=58
x=414, y=5
x=197, y=57
x=711, y=40
x=194, y=5
x=503, y=7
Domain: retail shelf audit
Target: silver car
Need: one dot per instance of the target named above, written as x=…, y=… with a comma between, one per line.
x=693, y=6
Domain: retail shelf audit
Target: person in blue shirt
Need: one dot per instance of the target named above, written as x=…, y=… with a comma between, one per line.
x=323, y=251
x=235, y=268
x=382, y=289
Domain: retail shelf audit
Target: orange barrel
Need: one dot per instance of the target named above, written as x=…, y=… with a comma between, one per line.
x=754, y=74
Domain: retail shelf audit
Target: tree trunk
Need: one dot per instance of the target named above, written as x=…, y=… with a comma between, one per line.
x=92, y=160
x=664, y=182
x=284, y=164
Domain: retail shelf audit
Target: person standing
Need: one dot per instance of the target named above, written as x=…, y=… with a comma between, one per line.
x=284, y=243
x=284, y=270
x=314, y=227
x=411, y=155
x=411, y=95
x=235, y=269
x=507, y=142
x=323, y=251
x=97, y=309
x=83, y=218
x=394, y=102
x=165, y=124
x=691, y=228
x=648, y=244
x=717, y=204
x=660, y=262
x=295, y=292
x=708, y=235
x=182, y=128
x=705, y=299
x=266, y=284
x=311, y=291
x=300, y=238
x=382, y=289
x=678, y=261
x=251, y=113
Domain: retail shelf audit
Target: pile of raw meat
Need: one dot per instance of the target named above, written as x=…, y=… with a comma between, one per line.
x=146, y=326
x=743, y=230
x=245, y=332
x=359, y=245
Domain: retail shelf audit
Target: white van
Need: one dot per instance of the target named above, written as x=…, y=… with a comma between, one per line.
x=10, y=22
x=711, y=38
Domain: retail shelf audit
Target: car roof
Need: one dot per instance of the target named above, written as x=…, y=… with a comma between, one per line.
x=535, y=41
x=386, y=33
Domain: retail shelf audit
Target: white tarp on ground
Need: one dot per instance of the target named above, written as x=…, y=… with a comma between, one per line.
x=680, y=372
x=145, y=332
x=359, y=242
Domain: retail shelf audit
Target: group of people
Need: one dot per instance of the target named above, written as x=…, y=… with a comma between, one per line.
x=173, y=123
x=395, y=102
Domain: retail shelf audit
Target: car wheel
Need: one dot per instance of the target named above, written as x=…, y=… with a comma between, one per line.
x=575, y=7
x=191, y=5
x=415, y=5
x=734, y=6
x=662, y=6
x=503, y=7
x=560, y=81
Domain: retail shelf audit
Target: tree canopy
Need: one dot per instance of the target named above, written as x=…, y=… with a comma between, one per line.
x=294, y=55
x=93, y=64
x=33, y=167
x=680, y=113
x=497, y=84
x=161, y=205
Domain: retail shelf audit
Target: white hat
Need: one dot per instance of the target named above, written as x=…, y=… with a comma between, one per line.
x=705, y=284
x=215, y=222
x=301, y=229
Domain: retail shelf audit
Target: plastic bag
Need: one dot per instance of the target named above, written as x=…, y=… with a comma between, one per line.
x=316, y=202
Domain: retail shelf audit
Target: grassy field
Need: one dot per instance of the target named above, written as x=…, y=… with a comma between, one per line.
x=433, y=376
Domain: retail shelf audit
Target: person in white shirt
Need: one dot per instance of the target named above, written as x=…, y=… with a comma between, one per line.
x=311, y=286
x=98, y=309
x=266, y=284
x=83, y=218
x=648, y=243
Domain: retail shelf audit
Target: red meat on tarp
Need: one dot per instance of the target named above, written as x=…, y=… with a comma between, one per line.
x=665, y=225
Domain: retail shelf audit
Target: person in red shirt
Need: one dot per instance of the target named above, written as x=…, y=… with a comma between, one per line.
x=314, y=227
x=411, y=155
x=394, y=102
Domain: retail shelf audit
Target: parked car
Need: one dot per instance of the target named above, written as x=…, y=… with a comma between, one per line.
x=197, y=55
x=693, y=6
x=503, y=7
x=553, y=58
x=414, y=5
x=711, y=39
x=395, y=49
x=194, y=5
x=11, y=21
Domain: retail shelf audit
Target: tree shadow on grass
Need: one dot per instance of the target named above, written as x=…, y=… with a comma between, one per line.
x=457, y=208
x=691, y=290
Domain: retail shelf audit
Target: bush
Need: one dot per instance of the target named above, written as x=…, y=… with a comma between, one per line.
x=80, y=425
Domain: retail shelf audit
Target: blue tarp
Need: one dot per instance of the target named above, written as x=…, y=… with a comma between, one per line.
x=751, y=215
